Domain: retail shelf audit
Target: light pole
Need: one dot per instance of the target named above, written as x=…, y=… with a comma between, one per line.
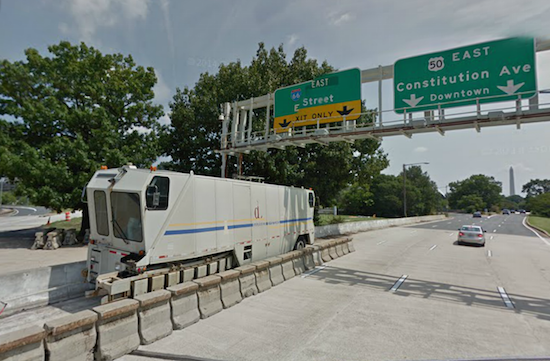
x=405, y=185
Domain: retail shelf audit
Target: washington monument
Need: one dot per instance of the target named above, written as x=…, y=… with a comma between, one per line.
x=512, y=185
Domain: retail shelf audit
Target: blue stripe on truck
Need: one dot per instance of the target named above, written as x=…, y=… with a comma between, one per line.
x=221, y=228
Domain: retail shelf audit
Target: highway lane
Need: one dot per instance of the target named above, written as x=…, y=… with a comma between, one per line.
x=498, y=223
x=448, y=307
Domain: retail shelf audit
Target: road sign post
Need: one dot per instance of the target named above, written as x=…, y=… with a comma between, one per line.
x=328, y=98
x=500, y=70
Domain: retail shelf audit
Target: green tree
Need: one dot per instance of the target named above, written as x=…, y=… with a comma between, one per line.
x=387, y=199
x=422, y=195
x=471, y=203
x=195, y=129
x=513, y=202
x=540, y=205
x=356, y=200
x=74, y=111
x=486, y=188
x=536, y=187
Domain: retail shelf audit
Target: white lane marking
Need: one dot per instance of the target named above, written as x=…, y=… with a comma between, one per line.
x=500, y=225
x=492, y=237
x=315, y=270
x=449, y=222
x=433, y=247
x=29, y=208
x=494, y=230
x=451, y=234
x=489, y=253
x=434, y=226
x=381, y=242
x=490, y=216
x=535, y=232
x=505, y=298
x=398, y=284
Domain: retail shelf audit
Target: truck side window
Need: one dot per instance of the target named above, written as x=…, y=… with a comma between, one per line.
x=311, y=200
x=162, y=185
x=101, y=220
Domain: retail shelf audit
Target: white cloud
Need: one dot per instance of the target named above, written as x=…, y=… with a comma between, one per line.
x=163, y=93
x=339, y=19
x=89, y=15
x=292, y=38
x=420, y=149
x=165, y=119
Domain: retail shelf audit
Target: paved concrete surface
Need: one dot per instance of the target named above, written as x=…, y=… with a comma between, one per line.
x=448, y=307
x=39, y=316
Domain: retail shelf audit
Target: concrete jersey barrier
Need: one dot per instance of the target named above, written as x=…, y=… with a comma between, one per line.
x=356, y=227
x=42, y=286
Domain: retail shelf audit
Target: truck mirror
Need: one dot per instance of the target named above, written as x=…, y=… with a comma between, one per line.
x=153, y=196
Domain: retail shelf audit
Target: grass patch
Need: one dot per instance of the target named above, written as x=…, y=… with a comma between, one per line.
x=73, y=223
x=540, y=222
x=325, y=219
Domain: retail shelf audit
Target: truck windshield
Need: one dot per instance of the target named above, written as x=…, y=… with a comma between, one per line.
x=126, y=212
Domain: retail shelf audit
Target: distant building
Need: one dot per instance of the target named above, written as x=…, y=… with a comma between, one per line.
x=512, y=184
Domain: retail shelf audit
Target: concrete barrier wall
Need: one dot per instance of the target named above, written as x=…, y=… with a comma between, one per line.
x=42, y=286
x=355, y=227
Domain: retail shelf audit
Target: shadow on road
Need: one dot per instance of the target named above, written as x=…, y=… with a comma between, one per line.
x=23, y=238
x=475, y=297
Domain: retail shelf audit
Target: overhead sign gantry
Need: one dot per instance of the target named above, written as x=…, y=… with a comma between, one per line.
x=424, y=86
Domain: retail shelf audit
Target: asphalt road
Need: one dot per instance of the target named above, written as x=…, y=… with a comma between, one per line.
x=501, y=224
x=450, y=305
x=21, y=211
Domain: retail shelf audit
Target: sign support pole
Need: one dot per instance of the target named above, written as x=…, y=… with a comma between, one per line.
x=380, y=95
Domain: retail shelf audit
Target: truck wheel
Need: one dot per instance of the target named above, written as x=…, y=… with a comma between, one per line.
x=300, y=244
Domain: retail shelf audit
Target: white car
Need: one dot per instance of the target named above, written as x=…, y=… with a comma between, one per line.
x=471, y=235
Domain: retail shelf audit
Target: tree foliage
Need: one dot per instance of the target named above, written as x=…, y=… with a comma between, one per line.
x=383, y=195
x=536, y=187
x=483, y=187
x=540, y=205
x=195, y=128
x=74, y=111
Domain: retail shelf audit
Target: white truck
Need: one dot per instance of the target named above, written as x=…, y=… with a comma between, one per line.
x=142, y=220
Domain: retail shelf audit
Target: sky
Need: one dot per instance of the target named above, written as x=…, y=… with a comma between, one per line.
x=182, y=39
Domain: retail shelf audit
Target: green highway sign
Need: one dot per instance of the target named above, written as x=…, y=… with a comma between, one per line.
x=326, y=99
x=500, y=70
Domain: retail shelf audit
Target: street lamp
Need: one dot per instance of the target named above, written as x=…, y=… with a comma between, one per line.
x=405, y=186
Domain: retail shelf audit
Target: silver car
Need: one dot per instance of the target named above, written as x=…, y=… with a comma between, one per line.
x=472, y=235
